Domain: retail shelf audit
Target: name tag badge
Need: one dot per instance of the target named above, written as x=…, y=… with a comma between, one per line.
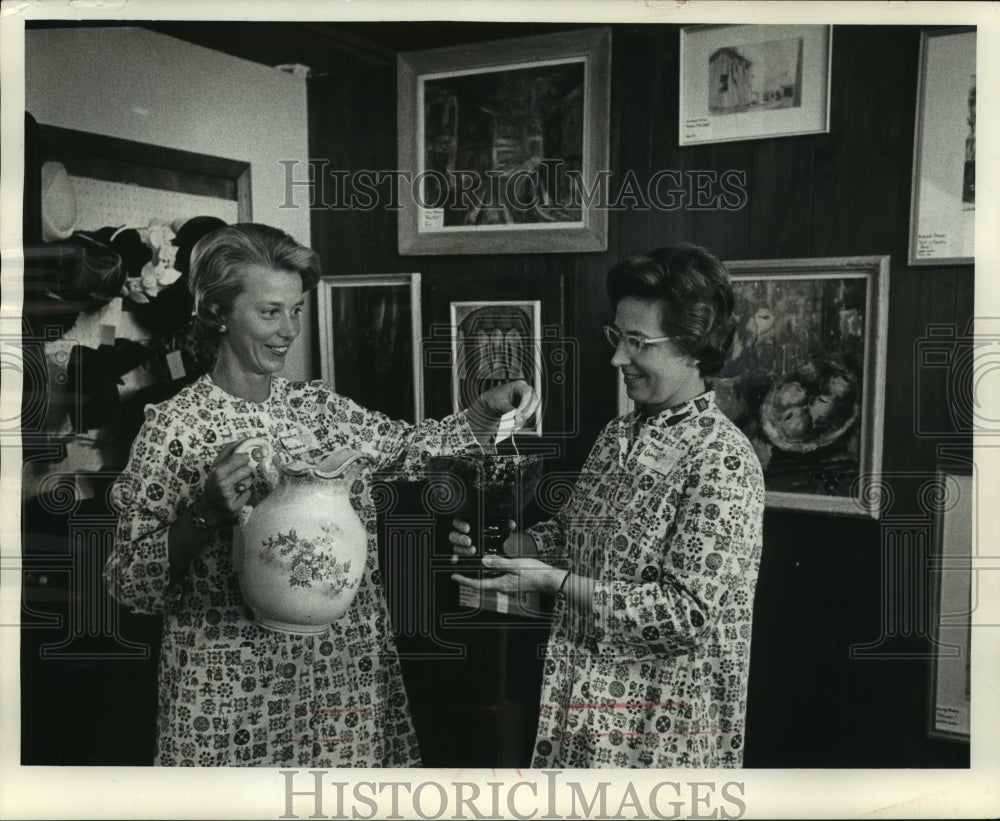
x=293, y=443
x=658, y=456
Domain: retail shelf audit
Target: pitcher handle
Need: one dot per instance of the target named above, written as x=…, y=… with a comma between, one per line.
x=238, y=554
x=336, y=464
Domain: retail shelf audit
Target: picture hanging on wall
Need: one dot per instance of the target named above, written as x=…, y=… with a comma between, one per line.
x=503, y=143
x=369, y=336
x=745, y=82
x=804, y=379
x=955, y=520
x=494, y=343
x=943, y=209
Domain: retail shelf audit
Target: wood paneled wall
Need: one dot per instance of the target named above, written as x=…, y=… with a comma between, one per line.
x=824, y=583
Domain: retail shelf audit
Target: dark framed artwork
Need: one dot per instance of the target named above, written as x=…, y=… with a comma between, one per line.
x=459, y=305
x=504, y=143
x=805, y=377
x=370, y=337
x=943, y=208
x=494, y=342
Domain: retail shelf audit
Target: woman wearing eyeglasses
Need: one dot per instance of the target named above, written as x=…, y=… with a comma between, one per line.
x=654, y=559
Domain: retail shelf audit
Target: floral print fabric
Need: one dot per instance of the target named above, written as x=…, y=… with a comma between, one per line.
x=667, y=516
x=232, y=693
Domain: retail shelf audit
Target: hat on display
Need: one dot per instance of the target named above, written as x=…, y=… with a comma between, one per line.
x=58, y=202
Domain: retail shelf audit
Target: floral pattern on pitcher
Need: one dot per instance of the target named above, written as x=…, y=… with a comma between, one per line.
x=308, y=565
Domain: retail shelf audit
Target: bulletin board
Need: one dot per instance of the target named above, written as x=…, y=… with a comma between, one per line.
x=146, y=166
x=102, y=202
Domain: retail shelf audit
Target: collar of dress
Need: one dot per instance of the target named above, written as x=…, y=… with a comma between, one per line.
x=633, y=427
x=206, y=386
x=672, y=416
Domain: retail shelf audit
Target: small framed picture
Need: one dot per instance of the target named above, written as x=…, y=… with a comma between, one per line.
x=745, y=82
x=493, y=343
x=370, y=335
x=943, y=209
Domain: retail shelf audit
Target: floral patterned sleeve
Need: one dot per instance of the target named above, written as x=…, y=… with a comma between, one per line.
x=148, y=495
x=399, y=448
x=709, y=556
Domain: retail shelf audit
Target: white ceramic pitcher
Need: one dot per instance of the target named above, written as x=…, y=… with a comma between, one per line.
x=300, y=553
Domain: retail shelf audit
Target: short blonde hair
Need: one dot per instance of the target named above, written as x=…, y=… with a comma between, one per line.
x=218, y=258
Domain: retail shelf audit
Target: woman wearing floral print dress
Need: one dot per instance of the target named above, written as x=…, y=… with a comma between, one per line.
x=654, y=558
x=231, y=692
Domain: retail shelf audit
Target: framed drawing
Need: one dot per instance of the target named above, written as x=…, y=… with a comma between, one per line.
x=493, y=343
x=805, y=377
x=942, y=211
x=503, y=144
x=951, y=669
x=370, y=336
x=745, y=82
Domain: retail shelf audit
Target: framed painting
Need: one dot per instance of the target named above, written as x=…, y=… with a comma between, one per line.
x=493, y=343
x=370, y=336
x=943, y=207
x=745, y=82
x=504, y=145
x=805, y=377
x=952, y=605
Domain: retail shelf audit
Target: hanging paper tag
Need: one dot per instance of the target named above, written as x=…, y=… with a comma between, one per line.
x=506, y=427
x=112, y=312
x=107, y=335
x=176, y=364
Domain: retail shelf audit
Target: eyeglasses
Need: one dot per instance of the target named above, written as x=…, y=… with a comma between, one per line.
x=634, y=343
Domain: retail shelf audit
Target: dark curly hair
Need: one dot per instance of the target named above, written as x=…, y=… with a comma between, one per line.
x=695, y=296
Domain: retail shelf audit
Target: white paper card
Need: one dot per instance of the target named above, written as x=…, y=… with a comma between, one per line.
x=506, y=427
